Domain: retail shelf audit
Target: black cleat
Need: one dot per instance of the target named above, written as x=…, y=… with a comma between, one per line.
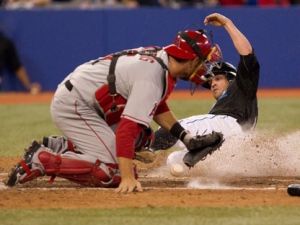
x=23, y=168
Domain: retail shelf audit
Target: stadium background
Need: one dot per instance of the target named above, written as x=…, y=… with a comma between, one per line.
x=53, y=42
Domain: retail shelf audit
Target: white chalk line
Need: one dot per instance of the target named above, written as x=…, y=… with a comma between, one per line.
x=190, y=186
x=3, y=187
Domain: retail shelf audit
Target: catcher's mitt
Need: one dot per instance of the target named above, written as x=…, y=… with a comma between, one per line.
x=200, y=146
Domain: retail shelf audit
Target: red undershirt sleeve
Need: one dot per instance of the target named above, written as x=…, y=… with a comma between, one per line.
x=163, y=107
x=126, y=134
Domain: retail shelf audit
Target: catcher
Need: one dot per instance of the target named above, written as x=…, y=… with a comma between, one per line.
x=235, y=110
x=104, y=109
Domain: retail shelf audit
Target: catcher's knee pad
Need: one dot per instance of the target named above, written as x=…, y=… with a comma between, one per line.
x=79, y=171
x=58, y=144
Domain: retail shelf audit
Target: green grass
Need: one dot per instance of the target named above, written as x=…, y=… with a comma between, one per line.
x=22, y=123
x=280, y=115
x=159, y=215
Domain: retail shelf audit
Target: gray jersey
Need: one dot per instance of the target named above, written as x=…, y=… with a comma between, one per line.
x=141, y=79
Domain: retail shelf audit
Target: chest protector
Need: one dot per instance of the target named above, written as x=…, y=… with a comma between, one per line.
x=108, y=103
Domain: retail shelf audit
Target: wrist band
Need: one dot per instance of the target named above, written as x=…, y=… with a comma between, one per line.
x=178, y=131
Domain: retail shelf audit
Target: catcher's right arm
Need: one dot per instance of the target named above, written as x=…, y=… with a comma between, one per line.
x=200, y=146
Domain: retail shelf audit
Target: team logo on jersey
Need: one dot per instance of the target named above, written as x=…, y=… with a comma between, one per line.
x=152, y=113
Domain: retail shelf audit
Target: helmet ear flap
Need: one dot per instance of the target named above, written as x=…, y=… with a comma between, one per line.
x=215, y=54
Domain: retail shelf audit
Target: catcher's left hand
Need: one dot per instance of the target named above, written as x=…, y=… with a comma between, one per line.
x=200, y=146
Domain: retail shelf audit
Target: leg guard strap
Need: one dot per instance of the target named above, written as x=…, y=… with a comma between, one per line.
x=31, y=174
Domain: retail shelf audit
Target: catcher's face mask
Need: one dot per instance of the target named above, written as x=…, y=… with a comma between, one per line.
x=198, y=77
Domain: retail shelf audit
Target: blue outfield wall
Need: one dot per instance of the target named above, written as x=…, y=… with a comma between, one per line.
x=52, y=43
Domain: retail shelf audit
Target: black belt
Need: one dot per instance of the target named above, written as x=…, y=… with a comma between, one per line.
x=69, y=85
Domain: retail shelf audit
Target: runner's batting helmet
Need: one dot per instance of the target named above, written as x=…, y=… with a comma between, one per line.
x=224, y=68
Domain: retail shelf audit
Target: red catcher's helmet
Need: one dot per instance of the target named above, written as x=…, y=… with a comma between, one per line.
x=190, y=44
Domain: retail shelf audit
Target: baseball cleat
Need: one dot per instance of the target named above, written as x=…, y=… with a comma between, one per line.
x=22, y=171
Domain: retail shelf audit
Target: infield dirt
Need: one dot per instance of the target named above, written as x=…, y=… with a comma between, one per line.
x=260, y=182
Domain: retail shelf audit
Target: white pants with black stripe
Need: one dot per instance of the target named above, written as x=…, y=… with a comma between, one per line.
x=205, y=124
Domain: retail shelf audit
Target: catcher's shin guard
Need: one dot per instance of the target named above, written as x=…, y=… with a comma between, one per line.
x=79, y=171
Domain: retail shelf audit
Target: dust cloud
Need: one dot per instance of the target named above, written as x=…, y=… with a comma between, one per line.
x=261, y=154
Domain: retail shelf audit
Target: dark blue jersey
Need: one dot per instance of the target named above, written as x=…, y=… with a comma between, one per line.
x=239, y=100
